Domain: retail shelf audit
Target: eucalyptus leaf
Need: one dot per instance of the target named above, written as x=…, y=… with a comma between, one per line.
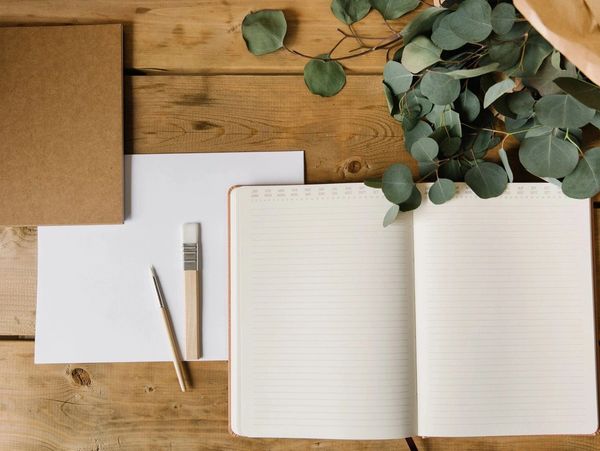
x=586, y=93
x=421, y=24
x=535, y=51
x=420, y=53
x=414, y=99
x=543, y=80
x=444, y=37
x=503, y=18
x=424, y=150
x=397, y=183
x=421, y=130
x=392, y=9
x=506, y=54
x=517, y=32
x=391, y=215
x=469, y=73
x=504, y=159
x=442, y=191
x=373, y=183
x=350, y=11
x=481, y=143
x=521, y=103
x=555, y=60
x=584, y=181
x=450, y=146
x=472, y=20
x=497, y=90
x=264, y=31
x=595, y=121
x=552, y=181
x=468, y=105
x=562, y=111
x=397, y=77
x=324, y=78
x=486, y=179
x=442, y=116
x=452, y=170
x=548, y=156
x=426, y=168
x=413, y=202
x=440, y=88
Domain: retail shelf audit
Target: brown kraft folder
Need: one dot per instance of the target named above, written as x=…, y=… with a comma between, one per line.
x=61, y=124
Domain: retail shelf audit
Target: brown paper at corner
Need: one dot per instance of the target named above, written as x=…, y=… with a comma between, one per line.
x=61, y=125
x=571, y=26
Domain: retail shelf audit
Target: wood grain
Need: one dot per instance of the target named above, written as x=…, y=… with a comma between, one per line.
x=345, y=138
x=139, y=407
x=204, y=36
x=18, y=280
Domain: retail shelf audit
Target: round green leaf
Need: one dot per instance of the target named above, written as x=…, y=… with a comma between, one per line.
x=497, y=90
x=451, y=170
x=543, y=80
x=584, y=181
x=536, y=50
x=503, y=18
x=548, y=156
x=486, y=179
x=506, y=54
x=419, y=54
x=350, y=11
x=562, y=111
x=420, y=130
x=586, y=93
x=440, y=88
x=413, y=202
x=324, y=78
x=468, y=105
x=521, y=103
x=421, y=24
x=446, y=120
x=397, y=77
x=424, y=150
x=392, y=9
x=391, y=215
x=444, y=37
x=472, y=20
x=442, y=191
x=415, y=100
x=397, y=183
x=450, y=146
x=264, y=31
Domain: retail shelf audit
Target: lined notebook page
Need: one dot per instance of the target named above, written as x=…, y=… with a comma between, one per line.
x=322, y=314
x=504, y=312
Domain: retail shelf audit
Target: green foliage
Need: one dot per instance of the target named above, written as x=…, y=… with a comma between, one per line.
x=460, y=80
x=392, y=9
x=264, y=31
x=323, y=77
x=350, y=11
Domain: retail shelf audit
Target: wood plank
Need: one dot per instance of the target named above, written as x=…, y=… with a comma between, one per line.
x=204, y=36
x=125, y=407
x=345, y=138
x=139, y=406
x=18, y=280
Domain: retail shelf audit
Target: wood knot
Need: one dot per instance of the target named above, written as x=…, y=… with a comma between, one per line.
x=354, y=168
x=148, y=388
x=81, y=377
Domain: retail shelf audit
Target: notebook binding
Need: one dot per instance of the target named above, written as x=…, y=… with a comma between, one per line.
x=190, y=257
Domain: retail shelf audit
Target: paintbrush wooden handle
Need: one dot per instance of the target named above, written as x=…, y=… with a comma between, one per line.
x=192, y=315
x=177, y=363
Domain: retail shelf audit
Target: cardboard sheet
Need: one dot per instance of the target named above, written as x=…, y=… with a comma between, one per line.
x=96, y=300
x=61, y=122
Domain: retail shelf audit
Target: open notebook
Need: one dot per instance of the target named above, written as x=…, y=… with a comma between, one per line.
x=467, y=319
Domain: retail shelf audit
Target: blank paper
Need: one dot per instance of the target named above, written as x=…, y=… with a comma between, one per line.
x=96, y=301
x=322, y=314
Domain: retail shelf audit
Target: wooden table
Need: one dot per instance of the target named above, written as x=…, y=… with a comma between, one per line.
x=191, y=86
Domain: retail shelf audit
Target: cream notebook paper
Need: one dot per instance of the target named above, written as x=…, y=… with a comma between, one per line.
x=466, y=319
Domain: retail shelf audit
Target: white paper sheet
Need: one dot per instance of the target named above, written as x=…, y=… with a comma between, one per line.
x=96, y=301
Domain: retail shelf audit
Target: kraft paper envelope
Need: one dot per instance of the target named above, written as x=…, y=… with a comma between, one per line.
x=61, y=122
